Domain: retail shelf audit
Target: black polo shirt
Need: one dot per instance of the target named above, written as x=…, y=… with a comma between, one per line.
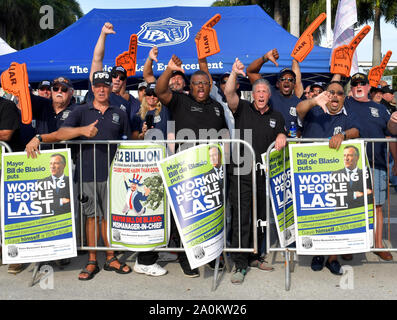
x=190, y=114
x=112, y=125
x=10, y=120
x=265, y=127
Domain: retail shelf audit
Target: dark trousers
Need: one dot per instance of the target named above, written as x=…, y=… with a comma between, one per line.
x=242, y=235
x=147, y=258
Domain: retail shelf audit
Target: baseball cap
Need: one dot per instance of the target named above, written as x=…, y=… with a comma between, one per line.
x=387, y=89
x=142, y=85
x=150, y=88
x=44, y=83
x=101, y=77
x=320, y=85
x=62, y=81
x=285, y=71
x=358, y=77
x=378, y=88
x=120, y=69
x=177, y=72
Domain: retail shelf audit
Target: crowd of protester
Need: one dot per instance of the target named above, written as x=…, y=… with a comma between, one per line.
x=201, y=103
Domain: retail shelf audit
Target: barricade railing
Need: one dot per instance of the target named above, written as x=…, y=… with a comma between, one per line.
x=274, y=245
x=77, y=148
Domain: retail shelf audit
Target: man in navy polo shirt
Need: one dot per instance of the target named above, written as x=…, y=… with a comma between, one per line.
x=267, y=125
x=119, y=95
x=284, y=97
x=372, y=120
x=325, y=116
x=103, y=121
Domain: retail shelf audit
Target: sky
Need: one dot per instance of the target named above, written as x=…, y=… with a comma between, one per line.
x=364, y=50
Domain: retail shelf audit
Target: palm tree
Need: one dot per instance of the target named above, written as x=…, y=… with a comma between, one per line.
x=20, y=20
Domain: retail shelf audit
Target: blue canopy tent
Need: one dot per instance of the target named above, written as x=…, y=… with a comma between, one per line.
x=246, y=32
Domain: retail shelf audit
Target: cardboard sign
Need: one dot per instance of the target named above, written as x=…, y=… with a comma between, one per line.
x=208, y=44
x=342, y=56
x=127, y=59
x=15, y=80
x=305, y=43
x=375, y=74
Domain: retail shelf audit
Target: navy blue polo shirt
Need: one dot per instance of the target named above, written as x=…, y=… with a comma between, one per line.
x=318, y=124
x=131, y=107
x=372, y=118
x=112, y=125
x=159, y=121
x=286, y=106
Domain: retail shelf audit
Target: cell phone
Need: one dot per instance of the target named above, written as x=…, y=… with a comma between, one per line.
x=149, y=120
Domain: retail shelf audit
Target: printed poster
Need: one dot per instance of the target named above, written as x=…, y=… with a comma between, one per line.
x=37, y=217
x=138, y=202
x=280, y=189
x=195, y=188
x=330, y=198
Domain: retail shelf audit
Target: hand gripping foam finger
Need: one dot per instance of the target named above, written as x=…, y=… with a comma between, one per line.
x=127, y=59
x=375, y=74
x=305, y=43
x=213, y=21
x=208, y=43
x=15, y=80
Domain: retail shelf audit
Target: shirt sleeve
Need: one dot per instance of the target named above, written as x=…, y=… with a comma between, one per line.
x=136, y=124
x=9, y=115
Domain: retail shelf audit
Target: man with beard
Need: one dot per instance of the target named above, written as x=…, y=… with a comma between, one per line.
x=284, y=97
x=372, y=120
x=325, y=116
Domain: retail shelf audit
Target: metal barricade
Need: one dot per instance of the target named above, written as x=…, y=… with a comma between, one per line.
x=289, y=251
x=77, y=148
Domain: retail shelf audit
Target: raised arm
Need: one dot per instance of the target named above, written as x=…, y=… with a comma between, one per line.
x=148, y=66
x=231, y=95
x=254, y=68
x=298, y=80
x=99, y=51
x=321, y=100
x=162, y=90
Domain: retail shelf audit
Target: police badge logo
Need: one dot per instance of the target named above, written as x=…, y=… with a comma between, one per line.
x=337, y=130
x=166, y=32
x=374, y=112
x=272, y=123
x=115, y=118
x=292, y=111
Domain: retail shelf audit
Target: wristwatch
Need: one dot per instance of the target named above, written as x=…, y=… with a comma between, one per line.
x=39, y=137
x=344, y=135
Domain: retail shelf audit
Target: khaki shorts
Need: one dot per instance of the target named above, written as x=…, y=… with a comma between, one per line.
x=95, y=202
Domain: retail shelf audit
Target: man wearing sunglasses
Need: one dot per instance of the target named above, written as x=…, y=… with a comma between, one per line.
x=119, y=95
x=44, y=89
x=284, y=97
x=372, y=120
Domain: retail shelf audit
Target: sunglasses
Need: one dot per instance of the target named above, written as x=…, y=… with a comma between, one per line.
x=287, y=79
x=361, y=83
x=203, y=83
x=63, y=89
x=339, y=93
x=121, y=76
x=151, y=94
x=45, y=89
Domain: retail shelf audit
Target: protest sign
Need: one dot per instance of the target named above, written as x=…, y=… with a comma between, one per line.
x=138, y=204
x=330, y=203
x=195, y=188
x=37, y=207
x=280, y=189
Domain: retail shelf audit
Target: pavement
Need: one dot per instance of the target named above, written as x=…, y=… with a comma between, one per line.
x=366, y=278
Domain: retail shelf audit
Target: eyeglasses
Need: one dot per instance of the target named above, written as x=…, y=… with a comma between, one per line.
x=361, y=83
x=203, y=83
x=339, y=93
x=152, y=94
x=287, y=79
x=45, y=89
x=63, y=89
x=121, y=76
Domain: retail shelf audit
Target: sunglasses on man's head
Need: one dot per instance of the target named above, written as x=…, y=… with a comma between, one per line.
x=63, y=89
x=121, y=76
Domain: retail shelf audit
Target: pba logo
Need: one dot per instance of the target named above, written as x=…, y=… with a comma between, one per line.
x=166, y=32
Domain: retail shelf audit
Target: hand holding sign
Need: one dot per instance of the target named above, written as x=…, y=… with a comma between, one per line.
x=207, y=41
x=376, y=72
x=14, y=80
x=305, y=43
x=342, y=56
x=127, y=59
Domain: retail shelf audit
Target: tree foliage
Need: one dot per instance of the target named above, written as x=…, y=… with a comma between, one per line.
x=20, y=20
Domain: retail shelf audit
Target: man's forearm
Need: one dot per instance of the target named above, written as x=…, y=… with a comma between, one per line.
x=62, y=134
